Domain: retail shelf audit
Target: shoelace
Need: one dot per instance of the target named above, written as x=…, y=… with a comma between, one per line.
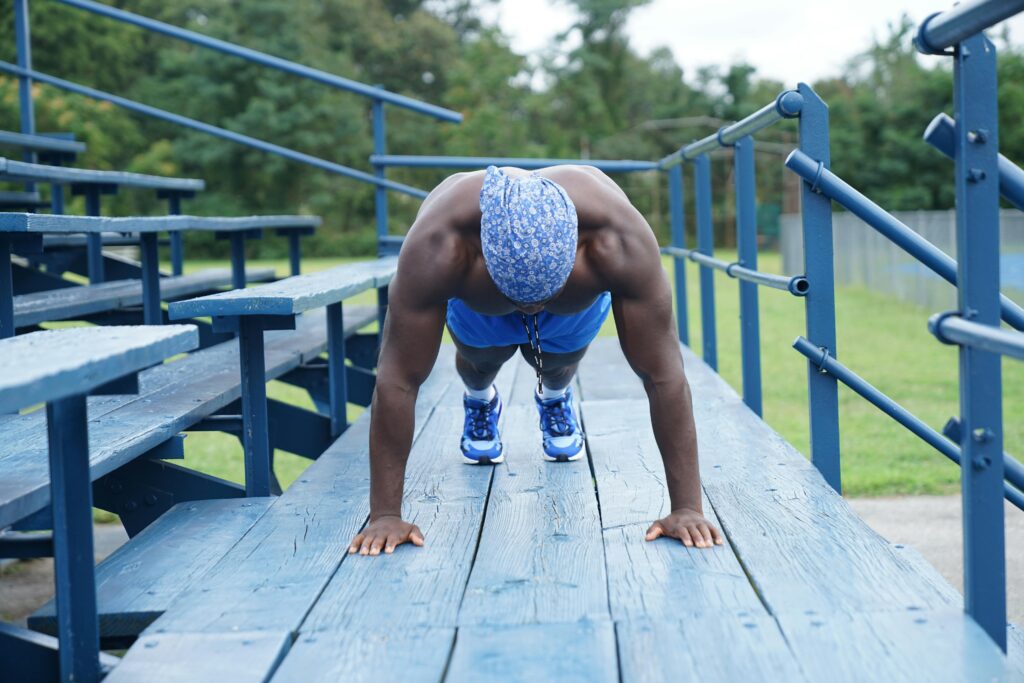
x=556, y=415
x=534, y=337
x=480, y=421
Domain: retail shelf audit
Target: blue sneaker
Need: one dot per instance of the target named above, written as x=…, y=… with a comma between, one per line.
x=481, y=442
x=563, y=440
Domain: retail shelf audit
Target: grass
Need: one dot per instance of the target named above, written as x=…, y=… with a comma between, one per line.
x=884, y=340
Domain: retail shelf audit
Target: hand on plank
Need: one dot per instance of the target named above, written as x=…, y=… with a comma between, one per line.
x=689, y=526
x=386, y=533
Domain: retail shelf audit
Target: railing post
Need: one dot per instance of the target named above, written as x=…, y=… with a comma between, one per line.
x=746, y=241
x=23, y=42
x=94, y=240
x=678, y=223
x=706, y=245
x=977, y=230
x=380, y=194
x=820, y=303
x=177, y=239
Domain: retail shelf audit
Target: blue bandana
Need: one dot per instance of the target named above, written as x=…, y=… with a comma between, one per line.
x=528, y=233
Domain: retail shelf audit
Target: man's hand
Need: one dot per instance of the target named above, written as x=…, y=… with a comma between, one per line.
x=385, y=533
x=689, y=526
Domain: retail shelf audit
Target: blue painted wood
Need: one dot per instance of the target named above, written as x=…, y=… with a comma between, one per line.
x=337, y=374
x=93, y=224
x=215, y=657
x=173, y=397
x=136, y=583
x=20, y=170
x=75, y=302
x=292, y=295
x=150, y=256
x=256, y=429
x=31, y=656
x=359, y=656
x=41, y=143
x=81, y=359
x=897, y=646
x=582, y=652
x=709, y=647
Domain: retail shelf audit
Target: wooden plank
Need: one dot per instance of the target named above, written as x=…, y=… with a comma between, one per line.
x=54, y=223
x=173, y=397
x=136, y=583
x=541, y=557
x=20, y=170
x=582, y=651
x=40, y=143
x=202, y=658
x=361, y=656
x=53, y=364
x=291, y=295
x=417, y=587
x=273, y=575
x=894, y=646
x=605, y=375
x=706, y=648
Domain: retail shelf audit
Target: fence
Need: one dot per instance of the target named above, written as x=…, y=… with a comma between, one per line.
x=865, y=258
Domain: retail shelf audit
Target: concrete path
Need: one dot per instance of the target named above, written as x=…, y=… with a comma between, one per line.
x=933, y=526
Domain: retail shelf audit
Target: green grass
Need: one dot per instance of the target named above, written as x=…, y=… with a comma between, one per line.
x=884, y=340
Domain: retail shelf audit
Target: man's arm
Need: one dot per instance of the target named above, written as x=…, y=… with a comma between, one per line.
x=642, y=305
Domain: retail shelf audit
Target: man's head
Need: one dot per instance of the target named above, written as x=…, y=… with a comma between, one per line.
x=528, y=233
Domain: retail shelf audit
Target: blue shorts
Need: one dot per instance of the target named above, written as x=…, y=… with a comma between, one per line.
x=558, y=333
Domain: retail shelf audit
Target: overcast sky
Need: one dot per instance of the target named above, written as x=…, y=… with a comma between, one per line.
x=789, y=40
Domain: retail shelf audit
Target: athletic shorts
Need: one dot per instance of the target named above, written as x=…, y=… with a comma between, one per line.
x=558, y=333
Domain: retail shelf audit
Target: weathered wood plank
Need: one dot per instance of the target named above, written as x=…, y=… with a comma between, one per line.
x=706, y=648
x=894, y=646
x=202, y=658
x=40, y=143
x=605, y=375
x=292, y=295
x=582, y=651
x=20, y=170
x=541, y=557
x=173, y=396
x=363, y=656
x=418, y=586
x=53, y=364
x=56, y=223
x=140, y=579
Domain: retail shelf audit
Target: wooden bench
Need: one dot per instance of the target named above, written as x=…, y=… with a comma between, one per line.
x=28, y=229
x=60, y=367
x=542, y=569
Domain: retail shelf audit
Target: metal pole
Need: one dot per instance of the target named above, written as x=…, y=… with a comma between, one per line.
x=94, y=240
x=294, y=252
x=380, y=194
x=237, y=260
x=177, y=239
x=677, y=213
x=152, y=313
x=336, y=371
x=746, y=241
x=23, y=45
x=977, y=218
x=71, y=503
x=820, y=304
x=255, y=426
x=706, y=245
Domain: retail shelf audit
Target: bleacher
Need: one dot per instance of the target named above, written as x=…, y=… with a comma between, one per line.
x=531, y=571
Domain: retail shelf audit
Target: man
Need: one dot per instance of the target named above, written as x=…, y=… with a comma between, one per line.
x=512, y=261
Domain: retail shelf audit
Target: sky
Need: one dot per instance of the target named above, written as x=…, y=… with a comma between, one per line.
x=788, y=40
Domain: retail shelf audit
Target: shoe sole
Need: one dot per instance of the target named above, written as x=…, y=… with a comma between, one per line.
x=564, y=458
x=483, y=461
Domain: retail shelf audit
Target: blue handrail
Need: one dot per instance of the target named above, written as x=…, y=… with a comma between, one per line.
x=264, y=59
x=943, y=30
x=527, y=163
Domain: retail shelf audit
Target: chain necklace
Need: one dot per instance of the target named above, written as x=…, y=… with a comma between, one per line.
x=534, y=337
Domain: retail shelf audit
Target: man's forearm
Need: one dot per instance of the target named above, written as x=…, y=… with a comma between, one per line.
x=676, y=434
x=392, y=420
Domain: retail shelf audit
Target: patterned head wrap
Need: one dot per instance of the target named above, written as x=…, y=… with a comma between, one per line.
x=528, y=233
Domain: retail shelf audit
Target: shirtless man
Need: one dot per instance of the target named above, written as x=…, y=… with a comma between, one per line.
x=511, y=260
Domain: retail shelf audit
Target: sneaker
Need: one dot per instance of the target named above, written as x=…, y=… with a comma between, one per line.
x=481, y=442
x=563, y=440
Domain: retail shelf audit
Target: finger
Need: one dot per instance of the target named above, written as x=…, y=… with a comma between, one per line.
x=716, y=535
x=705, y=533
x=393, y=541
x=354, y=545
x=655, y=531
x=377, y=545
x=698, y=538
x=364, y=547
x=416, y=536
x=684, y=536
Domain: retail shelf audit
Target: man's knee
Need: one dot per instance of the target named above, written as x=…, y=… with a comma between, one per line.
x=554, y=362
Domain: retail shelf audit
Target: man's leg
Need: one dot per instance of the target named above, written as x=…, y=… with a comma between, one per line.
x=562, y=437
x=481, y=441
x=559, y=368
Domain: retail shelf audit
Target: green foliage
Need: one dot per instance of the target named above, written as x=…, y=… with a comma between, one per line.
x=589, y=95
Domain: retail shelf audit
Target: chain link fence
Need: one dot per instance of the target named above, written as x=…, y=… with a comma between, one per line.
x=867, y=259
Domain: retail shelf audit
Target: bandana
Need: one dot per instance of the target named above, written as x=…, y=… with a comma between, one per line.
x=528, y=233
